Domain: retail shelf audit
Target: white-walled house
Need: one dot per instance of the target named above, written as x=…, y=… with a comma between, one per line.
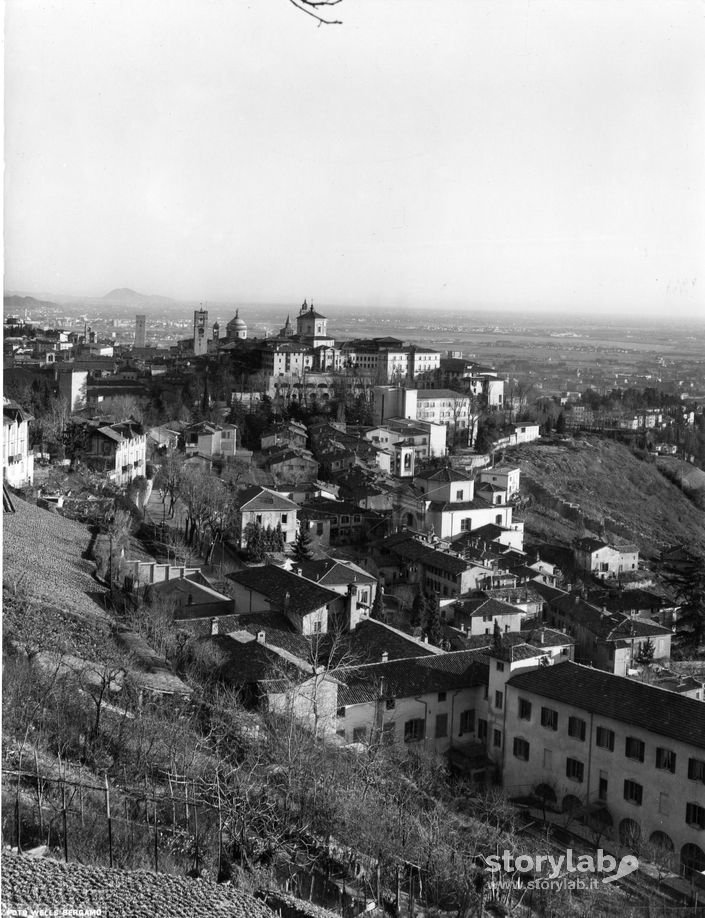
x=504, y=476
x=310, y=608
x=593, y=556
x=451, y=506
x=428, y=702
x=589, y=739
x=118, y=450
x=17, y=460
x=347, y=579
x=265, y=508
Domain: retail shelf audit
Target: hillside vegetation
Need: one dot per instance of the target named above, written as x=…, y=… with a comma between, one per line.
x=618, y=496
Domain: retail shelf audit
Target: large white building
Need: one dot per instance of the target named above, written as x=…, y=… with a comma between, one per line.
x=612, y=749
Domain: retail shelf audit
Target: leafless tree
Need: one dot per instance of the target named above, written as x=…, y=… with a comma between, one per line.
x=318, y=10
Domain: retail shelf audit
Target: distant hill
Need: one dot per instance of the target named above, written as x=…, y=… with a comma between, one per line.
x=18, y=304
x=619, y=497
x=123, y=296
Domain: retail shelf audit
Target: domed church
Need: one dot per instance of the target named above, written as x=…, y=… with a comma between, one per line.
x=236, y=328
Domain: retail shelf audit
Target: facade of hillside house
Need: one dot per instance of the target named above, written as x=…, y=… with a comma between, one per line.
x=265, y=508
x=17, y=459
x=595, y=557
x=506, y=477
x=309, y=607
x=117, y=450
x=428, y=702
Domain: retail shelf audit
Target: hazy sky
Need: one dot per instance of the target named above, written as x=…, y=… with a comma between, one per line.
x=454, y=152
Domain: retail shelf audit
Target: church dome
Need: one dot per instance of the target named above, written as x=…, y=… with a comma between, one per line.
x=236, y=327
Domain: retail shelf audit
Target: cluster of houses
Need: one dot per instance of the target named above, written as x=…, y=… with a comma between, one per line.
x=551, y=679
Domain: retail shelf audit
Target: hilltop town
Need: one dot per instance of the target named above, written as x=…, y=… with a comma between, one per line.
x=342, y=616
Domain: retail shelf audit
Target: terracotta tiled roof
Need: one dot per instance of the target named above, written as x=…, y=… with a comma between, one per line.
x=444, y=475
x=329, y=572
x=274, y=583
x=407, y=678
x=256, y=498
x=654, y=709
x=37, y=883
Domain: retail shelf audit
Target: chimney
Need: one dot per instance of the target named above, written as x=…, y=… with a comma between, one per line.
x=214, y=626
x=385, y=656
x=261, y=635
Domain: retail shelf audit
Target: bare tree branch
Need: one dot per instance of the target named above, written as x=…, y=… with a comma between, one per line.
x=310, y=7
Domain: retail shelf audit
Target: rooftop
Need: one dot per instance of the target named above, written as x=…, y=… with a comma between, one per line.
x=275, y=583
x=35, y=883
x=411, y=677
x=619, y=698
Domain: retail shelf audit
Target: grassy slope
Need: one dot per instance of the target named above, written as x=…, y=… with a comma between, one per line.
x=608, y=483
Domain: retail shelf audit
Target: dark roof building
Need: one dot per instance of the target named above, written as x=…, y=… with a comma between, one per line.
x=654, y=709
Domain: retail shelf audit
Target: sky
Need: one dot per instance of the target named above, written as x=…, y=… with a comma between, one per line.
x=457, y=153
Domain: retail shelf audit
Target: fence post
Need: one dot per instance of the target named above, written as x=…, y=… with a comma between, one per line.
x=110, y=821
x=39, y=795
x=17, y=816
x=156, y=836
x=195, y=826
x=65, y=821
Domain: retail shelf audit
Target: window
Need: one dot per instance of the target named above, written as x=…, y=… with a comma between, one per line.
x=696, y=770
x=500, y=667
x=497, y=739
x=521, y=749
x=258, y=518
x=441, y=696
x=459, y=495
x=359, y=734
x=604, y=738
x=633, y=792
x=576, y=728
x=634, y=748
x=549, y=718
x=414, y=730
x=482, y=730
x=695, y=815
x=574, y=770
x=317, y=627
x=441, y=725
x=285, y=516
x=467, y=722
x=390, y=704
x=498, y=519
x=666, y=759
x=498, y=699
x=524, y=709
x=466, y=525
x=602, y=786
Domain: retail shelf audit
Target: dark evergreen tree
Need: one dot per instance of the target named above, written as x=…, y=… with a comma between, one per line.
x=301, y=550
x=417, y=610
x=434, y=626
x=377, y=612
x=560, y=423
x=645, y=656
x=497, y=638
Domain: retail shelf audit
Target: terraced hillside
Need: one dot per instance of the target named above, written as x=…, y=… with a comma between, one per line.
x=43, y=561
x=614, y=495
